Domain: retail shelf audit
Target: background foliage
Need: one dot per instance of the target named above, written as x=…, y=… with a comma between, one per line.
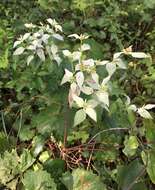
x=39, y=146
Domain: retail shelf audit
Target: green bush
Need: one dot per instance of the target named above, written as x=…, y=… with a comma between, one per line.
x=77, y=95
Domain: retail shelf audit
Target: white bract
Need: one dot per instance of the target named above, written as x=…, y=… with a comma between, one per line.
x=142, y=111
x=87, y=108
x=128, y=51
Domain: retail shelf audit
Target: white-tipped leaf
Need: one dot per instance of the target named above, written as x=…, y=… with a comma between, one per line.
x=103, y=97
x=17, y=43
x=91, y=113
x=132, y=107
x=111, y=68
x=67, y=76
x=144, y=113
x=85, y=47
x=139, y=55
x=66, y=53
x=41, y=54
x=19, y=51
x=80, y=116
x=87, y=90
x=29, y=59
x=79, y=101
x=74, y=36
x=149, y=106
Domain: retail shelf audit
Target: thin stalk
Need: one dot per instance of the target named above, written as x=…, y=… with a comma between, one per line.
x=4, y=126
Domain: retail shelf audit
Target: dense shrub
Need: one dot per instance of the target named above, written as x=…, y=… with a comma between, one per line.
x=77, y=94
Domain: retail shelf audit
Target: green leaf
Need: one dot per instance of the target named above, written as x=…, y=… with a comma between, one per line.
x=149, y=161
x=4, y=60
x=150, y=132
x=26, y=160
x=78, y=135
x=38, y=180
x=80, y=116
x=9, y=167
x=82, y=180
x=86, y=180
x=127, y=176
x=26, y=133
x=131, y=145
x=67, y=180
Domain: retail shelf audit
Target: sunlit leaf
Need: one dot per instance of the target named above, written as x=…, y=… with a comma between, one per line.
x=91, y=113
x=79, y=101
x=144, y=113
x=149, y=106
x=111, y=68
x=80, y=116
x=29, y=59
x=139, y=55
x=41, y=54
x=131, y=145
x=19, y=51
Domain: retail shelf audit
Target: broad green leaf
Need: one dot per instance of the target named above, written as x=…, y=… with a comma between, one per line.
x=131, y=145
x=9, y=167
x=67, y=180
x=127, y=176
x=38, y=180
x=44, y=156
x=26, y=160
x=149, y=161
x=79, y=135
x=86, y=180
x=150, y=132
x=26, y=133
x=80, y=116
